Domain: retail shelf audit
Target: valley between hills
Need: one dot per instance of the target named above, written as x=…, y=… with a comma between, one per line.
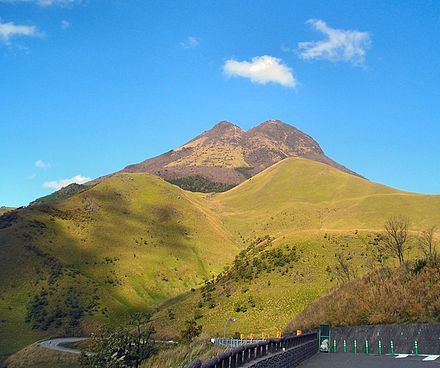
x=258, y=248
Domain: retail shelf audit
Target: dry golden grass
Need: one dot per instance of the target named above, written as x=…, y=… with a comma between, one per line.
x=180, y=356
x=34, y=356
x=407, y=294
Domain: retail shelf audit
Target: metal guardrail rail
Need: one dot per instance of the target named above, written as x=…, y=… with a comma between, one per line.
x=234, y=342
x=276, y=353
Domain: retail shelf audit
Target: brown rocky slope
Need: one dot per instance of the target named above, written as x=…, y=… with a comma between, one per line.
x=226, y=155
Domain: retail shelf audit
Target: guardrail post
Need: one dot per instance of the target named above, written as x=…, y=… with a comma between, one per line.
x=355, y=346
x=263, y=348
x=416, y=347
x=379, y=350
x=222, y=360
x=366, y=346
x=251, y=353
x=334, y=345
x=239, y=357
x=233, y=359
x=345, y=346
x=392, y=347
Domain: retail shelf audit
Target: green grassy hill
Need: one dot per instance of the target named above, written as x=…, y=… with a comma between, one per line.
x=134, y=241
x=298, y=194
x=310, y=211
x=129, y=243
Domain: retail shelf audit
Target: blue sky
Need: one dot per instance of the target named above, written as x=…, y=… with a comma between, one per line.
x=88, y=87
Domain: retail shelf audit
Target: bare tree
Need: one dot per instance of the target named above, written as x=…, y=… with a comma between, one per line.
x=427, y=243
x=123, y=347
x=396, y=236
x=343, y=270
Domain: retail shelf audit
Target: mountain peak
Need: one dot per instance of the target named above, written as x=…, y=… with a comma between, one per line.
x=274, y=125
x=225, y=155
x=275, y=122
x=224, y=127
x=223, y=123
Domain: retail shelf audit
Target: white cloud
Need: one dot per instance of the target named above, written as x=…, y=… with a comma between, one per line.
x=44, y=3
x=55, y=2
x=40, y=164
x=340, y=45
x=10, y=29
x=32, y=176
x=262, y=69
x=65, y=24
x=58, y=184
x=190, y=42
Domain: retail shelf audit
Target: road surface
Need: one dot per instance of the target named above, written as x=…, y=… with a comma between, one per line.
x=348, y=360
x=56, y=344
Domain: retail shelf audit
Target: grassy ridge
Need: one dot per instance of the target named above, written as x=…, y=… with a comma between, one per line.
x=298, y=194
x=61, y=194
x=134, y=240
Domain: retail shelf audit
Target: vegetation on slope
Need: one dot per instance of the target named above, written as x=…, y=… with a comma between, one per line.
x=409, y=293
x=181, y=355
x=62, y=194
x=4, y=209
x=269, y=282
x=37, y=357
x=198, y=183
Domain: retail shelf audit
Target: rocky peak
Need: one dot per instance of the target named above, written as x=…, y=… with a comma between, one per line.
x=290, y=140
x=223, y=127
x=222, y=131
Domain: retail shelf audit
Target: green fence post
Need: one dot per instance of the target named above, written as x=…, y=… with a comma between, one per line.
x=366, y=346
x=379, y=350
x=392, y=347
x=334, y=346
x=345, y=346
x=416, y=347
x=355, y=346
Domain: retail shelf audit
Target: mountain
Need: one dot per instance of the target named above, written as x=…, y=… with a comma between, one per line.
x=132, y=241
x=225, y=155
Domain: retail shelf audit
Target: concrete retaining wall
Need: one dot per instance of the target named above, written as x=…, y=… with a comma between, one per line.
x=403, y=337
